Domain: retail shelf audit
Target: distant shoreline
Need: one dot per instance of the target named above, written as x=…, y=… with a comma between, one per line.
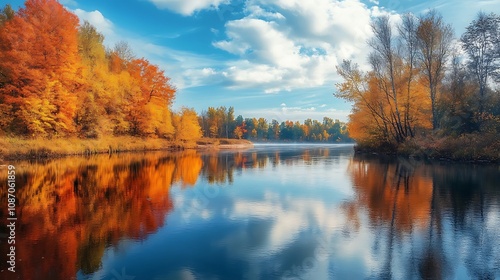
x=29, y=149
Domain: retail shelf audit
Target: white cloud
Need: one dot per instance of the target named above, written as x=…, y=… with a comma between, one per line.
x=256, y=11
x=214, y=31
x=97, y=19
x=187, y=7
x=284, y=45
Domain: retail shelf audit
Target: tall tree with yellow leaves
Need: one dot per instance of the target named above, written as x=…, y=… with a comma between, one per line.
x=186, y=125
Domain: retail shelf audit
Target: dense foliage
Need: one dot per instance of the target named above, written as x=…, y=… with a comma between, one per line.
x=425, y=91
x=58, y=80
x=221, y=123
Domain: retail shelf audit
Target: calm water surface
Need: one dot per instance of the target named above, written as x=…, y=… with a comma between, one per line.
x=272, y=212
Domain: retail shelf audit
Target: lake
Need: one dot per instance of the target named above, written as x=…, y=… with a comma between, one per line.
x=271, y=212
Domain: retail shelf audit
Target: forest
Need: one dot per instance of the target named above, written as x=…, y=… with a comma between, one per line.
x=427, y=93
x=221, y=123
x=58, y=80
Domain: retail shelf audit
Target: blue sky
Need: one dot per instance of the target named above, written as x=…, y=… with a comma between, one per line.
x=266, y=58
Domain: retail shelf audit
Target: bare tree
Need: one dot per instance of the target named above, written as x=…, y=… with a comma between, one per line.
x=124, y=51
x=409, y=42
x=384, y=60
x=434, y=43
x=481, y=41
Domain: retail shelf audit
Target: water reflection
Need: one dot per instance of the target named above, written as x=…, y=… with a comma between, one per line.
x=432, y=221
x=273, y=212
x=219, y=167
x=71, y=209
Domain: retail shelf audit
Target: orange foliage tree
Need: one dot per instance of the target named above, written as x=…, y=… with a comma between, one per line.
x=58, y=80
x=390, y=101
x=148, y=108
x=41, y=67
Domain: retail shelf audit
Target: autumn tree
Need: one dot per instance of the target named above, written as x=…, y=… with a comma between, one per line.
x=147, y=106
x=120, y=56
x=262, y=127
x=95, y=96
x=6, y=14
x=384, y=62
x=434, y=43
x=251, y=128
x=408, y=50
x=239, y=131
x=389, y=105
x=186, y=125
x=39, y=54
x=367, y=122
x=57, y=79
x=215, y=121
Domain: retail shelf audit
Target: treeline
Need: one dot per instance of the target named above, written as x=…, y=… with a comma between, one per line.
x=424, y=91
x=58, y=80
x=221, y=123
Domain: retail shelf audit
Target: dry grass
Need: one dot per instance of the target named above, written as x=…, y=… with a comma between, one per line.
x=39, y=148
x=223, y=141
x=18, y=148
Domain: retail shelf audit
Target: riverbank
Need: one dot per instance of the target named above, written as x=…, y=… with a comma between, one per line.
x=216, y=143
x=473, y=148
x=16, y=148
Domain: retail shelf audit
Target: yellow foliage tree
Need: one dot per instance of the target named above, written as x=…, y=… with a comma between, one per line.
x=186, y=125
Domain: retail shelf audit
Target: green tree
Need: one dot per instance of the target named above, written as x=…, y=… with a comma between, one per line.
x=458, y=106
x=262, y=127
x=215, y=122
x=230, y=124
x=6, y=14
x=273, y=132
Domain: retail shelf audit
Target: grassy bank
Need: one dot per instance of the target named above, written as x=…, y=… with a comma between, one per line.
x=472, y=147
x=223, y=143
x=17, y=148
